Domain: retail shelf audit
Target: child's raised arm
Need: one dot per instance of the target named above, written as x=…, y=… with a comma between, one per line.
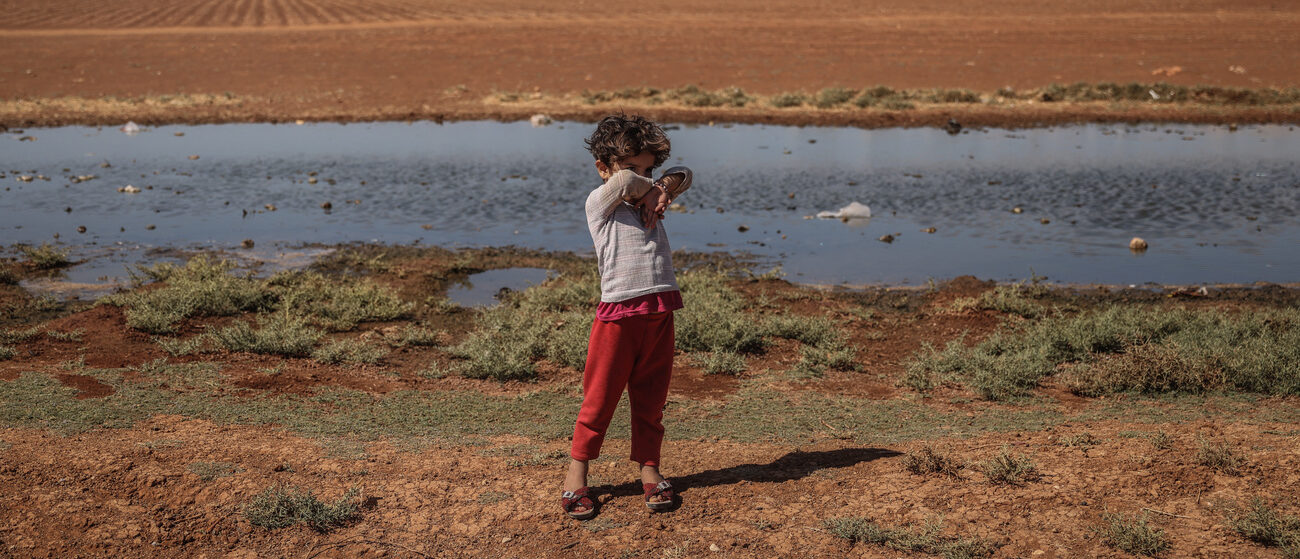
x=626, y=186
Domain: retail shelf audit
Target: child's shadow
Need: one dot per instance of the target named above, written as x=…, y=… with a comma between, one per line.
x=795, y=465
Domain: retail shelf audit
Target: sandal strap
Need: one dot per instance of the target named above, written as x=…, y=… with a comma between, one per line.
x=571, y=499
x=659, y=489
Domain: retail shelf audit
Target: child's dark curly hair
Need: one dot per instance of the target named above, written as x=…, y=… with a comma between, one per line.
x=618, y=136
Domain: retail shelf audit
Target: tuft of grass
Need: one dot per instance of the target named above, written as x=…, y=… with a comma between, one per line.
x=926, y=539
x=1008, y=469
x=722, y=363
x=786, y=100
x=1133, y=535
x=1126, y=348
x=280, y=506
x=177, y=347
x=334, y=305
x=1081, y=440
x=492, y=497
x=351, y=352
x=693, y=96
x=412, y=335
x=832, y=96
x=278, y=334
x=835, y=355
x=46, y=256
x=201, y=287
x=1220, y=457
x=715, y=318
x=1009, y=299
x=926, y=460
x=816, y=331
x=208, y=471
x=15, y=336
x=1262, y=525
x=73, y=336
x=7, y=275
x=7, y=352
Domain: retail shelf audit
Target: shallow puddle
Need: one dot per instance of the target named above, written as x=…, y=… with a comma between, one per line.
x=483, y=289
x=1215, y=205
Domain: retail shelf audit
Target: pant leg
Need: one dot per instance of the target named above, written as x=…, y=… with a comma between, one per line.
x=647, y=388
x=611, y=353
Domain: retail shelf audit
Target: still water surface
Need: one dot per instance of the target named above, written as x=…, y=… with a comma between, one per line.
x=1216, y=206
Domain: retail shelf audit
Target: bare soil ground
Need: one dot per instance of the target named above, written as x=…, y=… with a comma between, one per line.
x=72, y=61
x=100, y=480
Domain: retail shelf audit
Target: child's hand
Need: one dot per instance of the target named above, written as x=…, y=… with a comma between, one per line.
x=652, y=206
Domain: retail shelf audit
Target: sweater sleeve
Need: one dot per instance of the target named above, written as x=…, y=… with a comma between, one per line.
x=622, y=186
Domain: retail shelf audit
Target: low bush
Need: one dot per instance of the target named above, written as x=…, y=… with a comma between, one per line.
x=201, y=287
x=926, y=460
x=832, y=96
x=350, y=352
x=281, y=506
x=1220, y=457
x=927, y=539
x=277, y=334
x=1008, y=469
x=46, y=256
x=723, y=363
x=1133, y=535
x=784, y=100
x=337, y=306
x=1262, y=525
x=1126, y=348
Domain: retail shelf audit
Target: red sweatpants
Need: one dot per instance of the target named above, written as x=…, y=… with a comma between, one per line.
x=637, y=353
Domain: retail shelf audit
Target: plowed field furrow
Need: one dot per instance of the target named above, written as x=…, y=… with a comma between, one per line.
x=204, y=14
x=141, y=18
x=279, y=15
x=340, y=12
x=312, y=13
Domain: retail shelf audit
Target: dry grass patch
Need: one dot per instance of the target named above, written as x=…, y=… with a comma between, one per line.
x=927, y=460
x=1133, y=535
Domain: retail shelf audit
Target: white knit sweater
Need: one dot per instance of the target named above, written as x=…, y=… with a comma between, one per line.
x=633, y=261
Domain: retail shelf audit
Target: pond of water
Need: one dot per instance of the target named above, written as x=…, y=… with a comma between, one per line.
x=1216, y=205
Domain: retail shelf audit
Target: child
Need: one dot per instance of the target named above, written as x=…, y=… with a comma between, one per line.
x=631, y=341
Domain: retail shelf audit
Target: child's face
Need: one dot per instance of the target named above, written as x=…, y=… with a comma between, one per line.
x=641, y=164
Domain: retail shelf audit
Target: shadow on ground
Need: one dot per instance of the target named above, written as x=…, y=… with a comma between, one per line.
x=792, y=466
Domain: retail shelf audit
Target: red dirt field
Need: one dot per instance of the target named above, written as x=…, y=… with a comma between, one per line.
x=405, y=59
x=138, y=490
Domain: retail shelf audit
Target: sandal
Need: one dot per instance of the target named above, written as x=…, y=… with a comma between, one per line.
x=571, y=500
x=662, y=488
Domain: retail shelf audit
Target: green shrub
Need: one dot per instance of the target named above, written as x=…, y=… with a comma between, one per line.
x=200, y=288
x=816, y=331
x=1008, y=469
x=1220, y=457
x=1133, y=535
x=784, y=100
x=278, y=334
x=7, y=352
x=927, y=460
x=723, y=363
x=714, y=318
x=832, y=96
x=46, y=256
x=412, y=335
x=1126, y=348
x=352, y=352
x=281, y=505
x=177, y=347
x=928, y=539
x=1262, y=525
x=874, y=96
x=337, y=306
x=693, y=96
x=837, y=356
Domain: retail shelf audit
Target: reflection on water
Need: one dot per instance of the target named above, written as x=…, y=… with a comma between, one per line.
x=482, y=289
x=1215, y=205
